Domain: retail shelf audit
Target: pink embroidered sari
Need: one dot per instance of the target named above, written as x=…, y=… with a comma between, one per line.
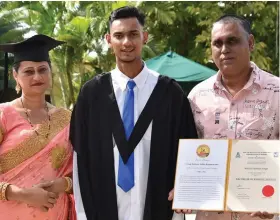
x=27, y=159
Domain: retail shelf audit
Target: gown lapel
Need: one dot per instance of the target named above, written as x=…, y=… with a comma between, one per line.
x=126, y=147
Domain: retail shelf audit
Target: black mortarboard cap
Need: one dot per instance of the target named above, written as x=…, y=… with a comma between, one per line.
x=34, y=49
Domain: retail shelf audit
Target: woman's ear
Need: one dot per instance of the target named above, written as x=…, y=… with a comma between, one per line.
x=15, y=74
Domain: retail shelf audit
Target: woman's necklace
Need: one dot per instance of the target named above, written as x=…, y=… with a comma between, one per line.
x=28, y=118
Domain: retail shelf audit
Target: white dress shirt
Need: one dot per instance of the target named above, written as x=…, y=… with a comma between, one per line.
x=130, y=204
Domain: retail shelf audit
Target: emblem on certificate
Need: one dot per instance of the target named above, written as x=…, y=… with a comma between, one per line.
x=237, y=155
x=203, y=150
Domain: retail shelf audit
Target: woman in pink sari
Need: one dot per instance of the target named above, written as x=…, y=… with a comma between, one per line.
x=35, y=152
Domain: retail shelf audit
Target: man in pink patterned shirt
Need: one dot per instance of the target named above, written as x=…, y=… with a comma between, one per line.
x=240, y=102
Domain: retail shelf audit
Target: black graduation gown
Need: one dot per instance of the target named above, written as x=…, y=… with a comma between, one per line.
x=96, y=117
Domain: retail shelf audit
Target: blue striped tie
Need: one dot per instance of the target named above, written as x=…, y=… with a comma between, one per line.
x=126, y=171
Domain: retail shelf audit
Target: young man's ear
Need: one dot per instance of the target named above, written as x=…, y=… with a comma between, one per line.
x=145, y=37
x=108, y=39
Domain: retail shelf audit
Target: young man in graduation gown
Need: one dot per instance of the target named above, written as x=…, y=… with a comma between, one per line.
x=125, y=130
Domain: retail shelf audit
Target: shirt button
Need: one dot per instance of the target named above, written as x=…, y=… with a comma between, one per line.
x=254, y=91
x=232, y=104
x=206, y=213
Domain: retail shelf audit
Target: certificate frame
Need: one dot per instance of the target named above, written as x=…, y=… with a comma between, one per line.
x=227, y=178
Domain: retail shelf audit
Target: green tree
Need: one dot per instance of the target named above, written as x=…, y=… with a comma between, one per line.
x=10, y=29
x=188, y=32
x=184, y=27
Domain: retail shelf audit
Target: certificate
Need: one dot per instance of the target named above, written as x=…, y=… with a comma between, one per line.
x=228, y=175
x=253, y=180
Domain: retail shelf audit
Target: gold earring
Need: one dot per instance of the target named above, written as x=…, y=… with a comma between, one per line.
x=18, y=88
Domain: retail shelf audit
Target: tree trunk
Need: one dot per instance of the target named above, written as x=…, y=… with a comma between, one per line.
x=63, y=92
x=71, y=98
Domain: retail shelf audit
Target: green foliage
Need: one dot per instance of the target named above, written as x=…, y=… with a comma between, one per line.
x=184, y=27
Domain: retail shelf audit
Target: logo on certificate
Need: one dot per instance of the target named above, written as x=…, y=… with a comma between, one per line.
x=237, y=155
x=203, y=151
x=275, y=154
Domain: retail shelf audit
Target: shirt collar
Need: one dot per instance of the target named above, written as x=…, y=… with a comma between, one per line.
x=255, y=78
x=121, y=79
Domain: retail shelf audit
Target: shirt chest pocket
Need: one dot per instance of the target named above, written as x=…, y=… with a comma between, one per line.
x=260, y=114
x=260, y=123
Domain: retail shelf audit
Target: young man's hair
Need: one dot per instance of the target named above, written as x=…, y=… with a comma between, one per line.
x=127, y=12
x=232, y=18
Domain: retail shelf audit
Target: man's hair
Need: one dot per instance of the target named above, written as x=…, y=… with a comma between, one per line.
x=232, y=18
x=127, y=12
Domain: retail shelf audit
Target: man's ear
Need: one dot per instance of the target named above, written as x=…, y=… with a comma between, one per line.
x=145, y=37
x=251, y=42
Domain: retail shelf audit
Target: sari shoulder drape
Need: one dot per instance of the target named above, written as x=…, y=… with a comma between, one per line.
x=32, y=144
x=2, y=121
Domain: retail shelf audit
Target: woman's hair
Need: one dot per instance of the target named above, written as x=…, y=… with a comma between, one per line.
x=17, y=65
